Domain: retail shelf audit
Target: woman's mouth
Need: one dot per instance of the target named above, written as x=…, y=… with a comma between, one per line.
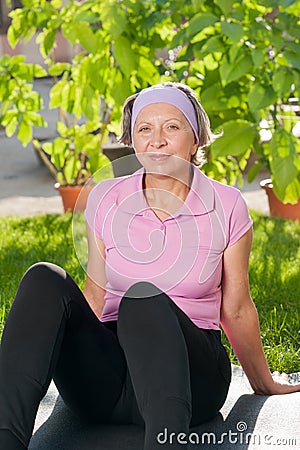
x=159, y=156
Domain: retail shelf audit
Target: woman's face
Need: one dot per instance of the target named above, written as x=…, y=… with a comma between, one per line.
x=162, y=135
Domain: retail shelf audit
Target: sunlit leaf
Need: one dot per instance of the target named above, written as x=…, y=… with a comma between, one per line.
x=24, y=132
x=238, y=136
x=260, y=97
x=230, y=72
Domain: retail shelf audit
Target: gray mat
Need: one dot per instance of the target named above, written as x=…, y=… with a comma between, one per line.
x=246, y=421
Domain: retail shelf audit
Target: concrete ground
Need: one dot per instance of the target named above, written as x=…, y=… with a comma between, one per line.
x=26, y=184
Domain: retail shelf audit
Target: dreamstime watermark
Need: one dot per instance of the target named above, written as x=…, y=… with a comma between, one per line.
x=238, y=436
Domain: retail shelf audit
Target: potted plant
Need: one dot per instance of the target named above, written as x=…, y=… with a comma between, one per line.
x=277, y=207
x=75, y=158
x=75, y=154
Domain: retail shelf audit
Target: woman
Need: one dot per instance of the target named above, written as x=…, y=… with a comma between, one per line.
x=168, y=262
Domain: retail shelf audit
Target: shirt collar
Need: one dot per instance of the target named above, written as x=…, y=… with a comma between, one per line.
x=200, y=199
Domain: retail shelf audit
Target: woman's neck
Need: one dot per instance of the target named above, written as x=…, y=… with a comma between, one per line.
x=166, y=194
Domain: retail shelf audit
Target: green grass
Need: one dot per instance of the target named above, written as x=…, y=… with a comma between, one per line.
x=274, y=272
x=274, y=275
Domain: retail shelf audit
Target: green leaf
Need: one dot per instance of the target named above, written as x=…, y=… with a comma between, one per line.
x=10, y=122
x=86, y=16
x=147, y=70
x=230, y=72
x=24, y=133
x=95, y=68
x=56, y=94
x=89, y=103
x=113, y=17
x=225, y=5
x=234, y=52
x=65, y=96
x=120, y=87
x=214, y=99
x=39, y=71
x=69, y=32
x=47, y=147
x=58, y=68
x=62, y=129
x=199, y=22
x=292, y=193
x=48, y=42
x=77, y=108
x=125, y=56
x=260, y=97
x=71, y=98
x=238, y=136
x=275, y=3
x=86, y=37
x=35, y=119
x=12, y=36
x=254, y=171
x=293, y=58
x=234, y=31
x=71, y=169
x=212, y=45
x=196, y=4
x=282, y=82
x=58, y=152
x=56, y=3
x=258, y=57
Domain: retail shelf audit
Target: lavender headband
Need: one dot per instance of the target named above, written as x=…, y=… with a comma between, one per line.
x=165, y=94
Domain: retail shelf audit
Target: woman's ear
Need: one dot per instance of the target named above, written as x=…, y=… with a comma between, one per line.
x=194, y=148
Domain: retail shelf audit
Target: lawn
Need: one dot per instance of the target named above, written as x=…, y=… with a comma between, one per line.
x=274, y=272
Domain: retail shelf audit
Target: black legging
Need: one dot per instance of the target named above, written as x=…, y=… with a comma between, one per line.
x=152, y=367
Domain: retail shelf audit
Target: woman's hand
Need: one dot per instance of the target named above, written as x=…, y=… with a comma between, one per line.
x=279, y=385
x=282, y=384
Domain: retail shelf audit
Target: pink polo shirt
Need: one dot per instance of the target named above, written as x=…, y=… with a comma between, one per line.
x=181, y=255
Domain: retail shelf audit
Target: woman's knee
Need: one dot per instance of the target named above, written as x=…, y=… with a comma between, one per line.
x=142, y=289
x=44, y=271
x=139, y=298
x=43, y=277
x=143, y=302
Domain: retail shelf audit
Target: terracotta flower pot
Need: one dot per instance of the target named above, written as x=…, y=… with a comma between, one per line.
x=277, y=207
x=74, y=197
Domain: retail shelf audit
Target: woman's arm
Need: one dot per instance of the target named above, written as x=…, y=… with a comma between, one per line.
x=239, y=319
x=94, y=290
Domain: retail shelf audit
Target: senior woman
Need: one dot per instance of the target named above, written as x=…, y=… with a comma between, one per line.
x=168, y=260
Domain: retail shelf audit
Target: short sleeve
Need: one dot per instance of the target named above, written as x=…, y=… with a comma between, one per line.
x=94, y=211
x=240, y=220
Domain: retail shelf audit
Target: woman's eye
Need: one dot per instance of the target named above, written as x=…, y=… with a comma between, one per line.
x=173, y=127
x=143, y=129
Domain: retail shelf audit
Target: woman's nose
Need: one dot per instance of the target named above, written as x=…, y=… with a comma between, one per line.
x=157, y=138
